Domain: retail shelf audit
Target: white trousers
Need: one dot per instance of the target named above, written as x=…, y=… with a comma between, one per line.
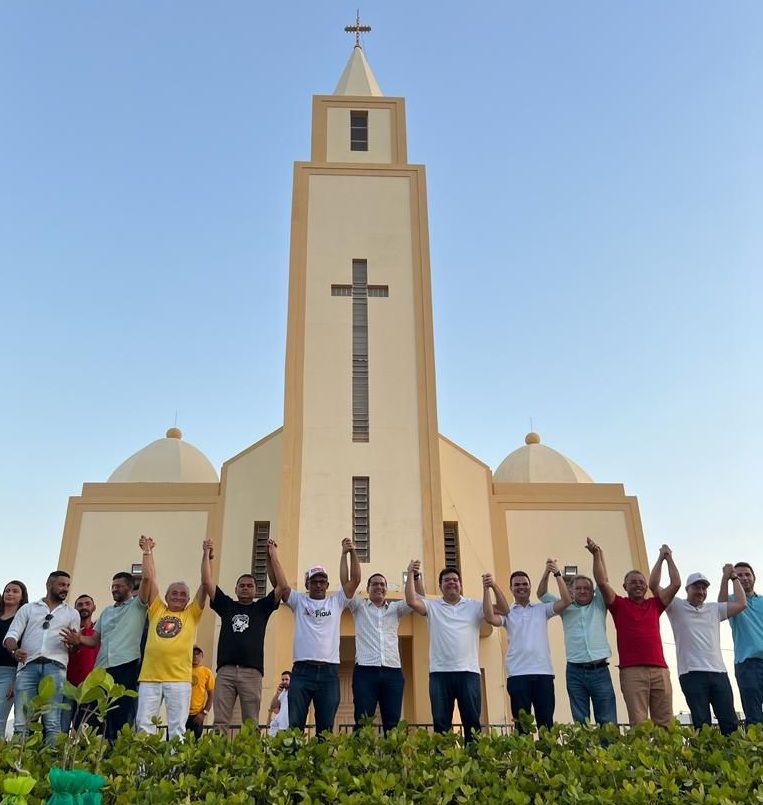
x=177, y=702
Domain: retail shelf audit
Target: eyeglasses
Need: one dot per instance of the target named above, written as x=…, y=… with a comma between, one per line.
x=48, y=619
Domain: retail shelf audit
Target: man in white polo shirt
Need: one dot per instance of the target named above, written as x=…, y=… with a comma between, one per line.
x=454, y=635
x=377, y=678
x=530, y=674
x=317, y=616
x=697, y=628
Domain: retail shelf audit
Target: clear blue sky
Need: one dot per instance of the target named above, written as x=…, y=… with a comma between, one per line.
x=595, y=186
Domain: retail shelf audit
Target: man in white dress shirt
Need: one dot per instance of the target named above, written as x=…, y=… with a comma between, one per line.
x=377, y=678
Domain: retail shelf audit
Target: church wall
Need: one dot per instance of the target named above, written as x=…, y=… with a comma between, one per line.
x=379, y=136
x=358, y=216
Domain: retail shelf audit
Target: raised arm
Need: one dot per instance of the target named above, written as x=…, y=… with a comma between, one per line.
x=411, y=597
x=488, y=610
x=600, y=571
x=149, y=589
x=206, y=572
x=740, y=597
x=280, y=585
x=543, y=583
x=665, y=594
x=207, y=547
x=565, y=599
x=501, y=602
x=350, y=585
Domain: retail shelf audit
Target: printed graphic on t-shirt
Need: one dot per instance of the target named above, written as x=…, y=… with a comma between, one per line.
x=318, y=612
x=240, y=622
x=169, y=626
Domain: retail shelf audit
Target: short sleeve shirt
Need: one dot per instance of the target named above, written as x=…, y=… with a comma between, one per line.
x=169, y=646
x=36, y=628
x=747, y=630
x=638, y=631
x=585, y=629
x=454, y=634
x=527, y=628
x=242, y=629
x=316, y=626
x=120, y=628
x=202, y=681
x=376, y=641
x=698, y=635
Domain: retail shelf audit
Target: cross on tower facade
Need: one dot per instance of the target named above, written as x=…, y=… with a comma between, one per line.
x=357, y=29
x=360, y=291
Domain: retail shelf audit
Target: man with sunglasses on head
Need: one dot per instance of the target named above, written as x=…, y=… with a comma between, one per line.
x=36, y=626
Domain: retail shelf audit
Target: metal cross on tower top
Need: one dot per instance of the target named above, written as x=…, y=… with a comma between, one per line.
x=357, y=29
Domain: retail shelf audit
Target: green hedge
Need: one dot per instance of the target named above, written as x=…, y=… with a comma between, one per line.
x=568, y=765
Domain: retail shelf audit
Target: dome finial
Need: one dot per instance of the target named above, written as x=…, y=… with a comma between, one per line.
x=174, y=433
x=532, y=438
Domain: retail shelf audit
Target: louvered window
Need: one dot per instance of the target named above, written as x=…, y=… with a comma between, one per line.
x=361, y=533
x=259, y=557
x=452, y=550
x=358, y=131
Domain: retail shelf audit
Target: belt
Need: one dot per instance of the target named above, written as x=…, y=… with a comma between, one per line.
x=315, y=662
x=46, y=661
x=590, y=666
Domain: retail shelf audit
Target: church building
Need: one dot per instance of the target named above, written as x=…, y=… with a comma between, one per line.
x=359, y=453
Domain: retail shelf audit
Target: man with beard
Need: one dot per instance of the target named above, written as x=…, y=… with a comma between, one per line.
x=317, y=617
x=118, y=634
x=529, y=671
x=279, y=706
x=38, y=624
x=240, y=662
x=585, y=640
x=747, y=630
x=454, y=635
x=81, y=661
x=644, y=675
x=701, y=670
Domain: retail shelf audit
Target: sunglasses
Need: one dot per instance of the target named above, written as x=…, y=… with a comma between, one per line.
x=48, y=619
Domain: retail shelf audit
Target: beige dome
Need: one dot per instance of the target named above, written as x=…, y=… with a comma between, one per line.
x=168, y=460
x=537, y=464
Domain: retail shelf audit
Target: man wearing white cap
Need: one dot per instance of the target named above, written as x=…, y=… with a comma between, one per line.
x=315, y=675
x=701, y=670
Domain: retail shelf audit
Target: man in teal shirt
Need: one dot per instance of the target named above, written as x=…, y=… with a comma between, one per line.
x=118, y=633
x=747, y=630
x=585, y=641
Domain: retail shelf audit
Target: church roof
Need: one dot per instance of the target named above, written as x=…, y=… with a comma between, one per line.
x=535, y=463
x=357, y=78
x=168, y=460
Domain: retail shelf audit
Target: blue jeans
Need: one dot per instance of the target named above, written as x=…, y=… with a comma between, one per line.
x=28, y=680
x=586, y=686
x=316, y=682
x=749, y=676
x=372, y=685
x=448, y=687
x=7, y=677
x=704, y=688
x=534, y=691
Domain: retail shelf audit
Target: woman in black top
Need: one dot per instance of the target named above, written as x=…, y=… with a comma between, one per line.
x=14, y=596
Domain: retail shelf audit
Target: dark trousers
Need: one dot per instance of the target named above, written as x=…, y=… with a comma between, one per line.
x=532, y=692
x=448, y=687
x=123, y=710
x=316, y=682
x=192, y=726
x=591, y=686
x=372, y=685
x=705, y=688
x=749, y=676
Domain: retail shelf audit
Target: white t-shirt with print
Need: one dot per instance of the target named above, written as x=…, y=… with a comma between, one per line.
x=316, y=626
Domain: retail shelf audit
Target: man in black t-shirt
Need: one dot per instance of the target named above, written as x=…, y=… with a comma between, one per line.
x=242, y=635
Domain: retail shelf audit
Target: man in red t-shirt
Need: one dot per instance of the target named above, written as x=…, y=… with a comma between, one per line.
x=644, y=675
x=81, y=660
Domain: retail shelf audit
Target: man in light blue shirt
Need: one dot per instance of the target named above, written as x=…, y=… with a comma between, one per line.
x=747, y=630
x=588, y=652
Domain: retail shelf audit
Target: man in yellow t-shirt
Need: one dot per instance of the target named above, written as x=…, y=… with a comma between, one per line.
x=166, y=673
x=202, y=693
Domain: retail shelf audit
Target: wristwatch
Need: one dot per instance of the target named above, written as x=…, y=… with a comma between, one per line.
x=733, y=577
x=205, y=712
x=557, y=574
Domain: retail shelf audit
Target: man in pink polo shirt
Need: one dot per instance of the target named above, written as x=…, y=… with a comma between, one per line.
x=644, y=675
